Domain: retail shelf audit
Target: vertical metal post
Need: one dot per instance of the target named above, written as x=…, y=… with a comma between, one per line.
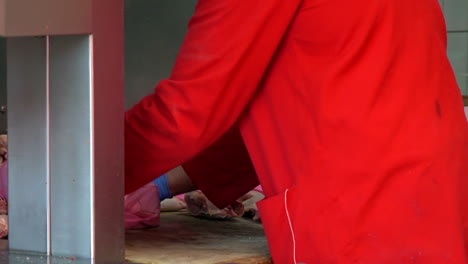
x=108, y=110
x=66, y=104
x=28, y=156
x=71, y=156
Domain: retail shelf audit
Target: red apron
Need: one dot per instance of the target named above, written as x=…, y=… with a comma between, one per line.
x=349, y=111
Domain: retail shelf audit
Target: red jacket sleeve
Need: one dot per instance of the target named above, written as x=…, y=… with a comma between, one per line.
x=227, y=50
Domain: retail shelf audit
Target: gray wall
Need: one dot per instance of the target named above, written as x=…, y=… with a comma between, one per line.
x=154, y=31
x=456, y=16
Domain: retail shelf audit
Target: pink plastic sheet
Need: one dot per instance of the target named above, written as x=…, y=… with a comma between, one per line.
x=142, y=208
x=4, y=181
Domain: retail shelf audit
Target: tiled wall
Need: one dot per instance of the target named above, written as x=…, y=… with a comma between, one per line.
x=456, y=16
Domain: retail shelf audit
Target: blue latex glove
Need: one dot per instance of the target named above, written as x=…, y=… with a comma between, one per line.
x=163, y=186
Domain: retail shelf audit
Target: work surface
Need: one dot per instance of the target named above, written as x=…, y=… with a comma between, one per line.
x=180, y=239
x=185, y=239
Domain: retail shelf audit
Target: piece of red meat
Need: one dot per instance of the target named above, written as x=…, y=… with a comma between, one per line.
x=199, y=205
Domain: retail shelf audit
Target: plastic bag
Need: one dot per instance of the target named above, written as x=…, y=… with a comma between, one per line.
x=4, y=181
x=142, y=208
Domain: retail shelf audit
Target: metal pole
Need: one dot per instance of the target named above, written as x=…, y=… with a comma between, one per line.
x=65, y=125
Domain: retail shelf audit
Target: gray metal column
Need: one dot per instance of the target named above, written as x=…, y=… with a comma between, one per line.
x=66, y=105
x=108, y=113
x=28, y=143
x=71, y=148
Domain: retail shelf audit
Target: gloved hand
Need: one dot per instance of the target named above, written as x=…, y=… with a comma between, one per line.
x=163, y=187
x=199, y=205
x=142, y=208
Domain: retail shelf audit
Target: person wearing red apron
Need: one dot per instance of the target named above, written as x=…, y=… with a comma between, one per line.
x=346, y=112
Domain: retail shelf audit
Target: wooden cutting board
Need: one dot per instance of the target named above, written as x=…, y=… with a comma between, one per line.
x=182, y=238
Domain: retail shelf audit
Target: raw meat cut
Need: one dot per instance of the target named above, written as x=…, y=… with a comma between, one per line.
x=3, y=207
x=3, y=186
x=250, y=204
x=3, y=226
x=199, y=205
x=3, y=218
x=3, y=148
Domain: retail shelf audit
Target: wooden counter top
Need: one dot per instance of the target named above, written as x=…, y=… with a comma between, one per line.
x=185, y=239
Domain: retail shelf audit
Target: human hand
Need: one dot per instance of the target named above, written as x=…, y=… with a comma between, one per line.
x=199, y=205
x=142, y=208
